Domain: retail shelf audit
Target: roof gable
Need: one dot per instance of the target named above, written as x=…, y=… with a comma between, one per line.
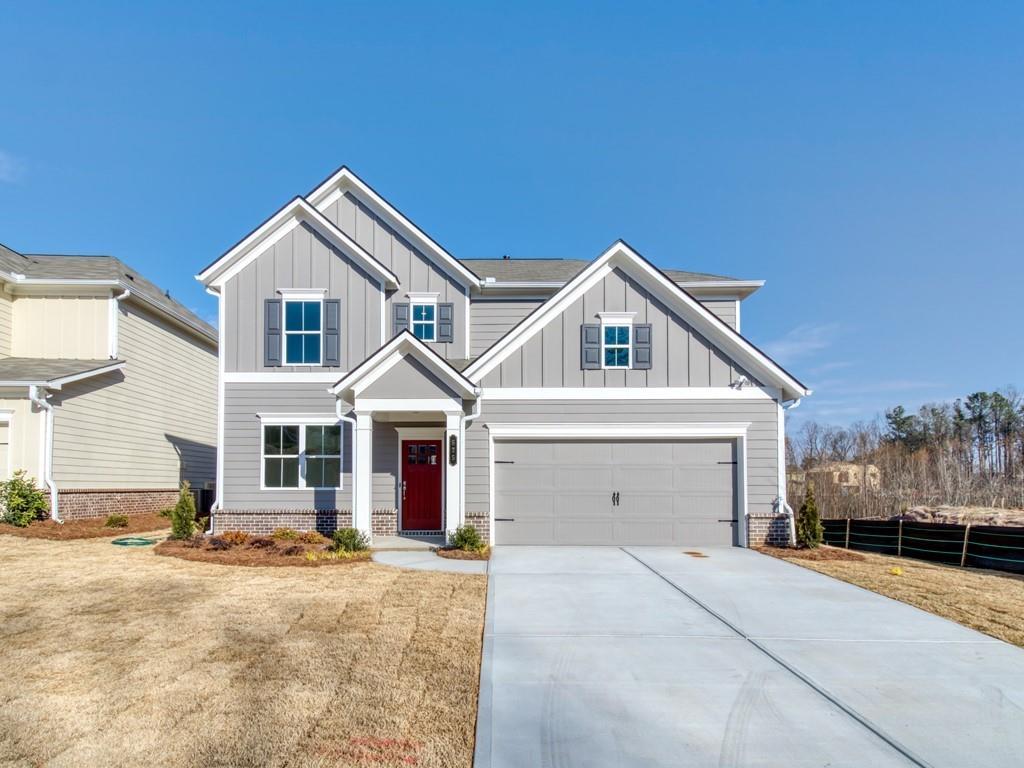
x=344, y=180
x=622, y=256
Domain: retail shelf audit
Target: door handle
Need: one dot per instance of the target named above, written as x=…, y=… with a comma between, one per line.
x=403, y=490
x=615, y=498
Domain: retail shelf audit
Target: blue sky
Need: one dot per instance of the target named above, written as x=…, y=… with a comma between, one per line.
x=867, y=160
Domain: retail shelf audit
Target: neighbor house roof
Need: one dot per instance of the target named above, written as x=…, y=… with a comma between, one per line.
x=53, y=374
x=543, y=270
x=57, y=268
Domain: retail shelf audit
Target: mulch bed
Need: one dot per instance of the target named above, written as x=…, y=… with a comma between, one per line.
x=820, y=554
x=311, y=550
x=462, y=554
x=91, y=528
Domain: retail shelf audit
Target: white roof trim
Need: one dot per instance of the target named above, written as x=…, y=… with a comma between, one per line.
x=622, y=255
x=394, y=351
x=287, y=218
x=60, y=381
x=617, y=430
x=333, y=188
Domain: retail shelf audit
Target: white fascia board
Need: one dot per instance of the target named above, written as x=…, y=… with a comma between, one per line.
x=334, y=187
x=61, y=381
x=749, y=394
x=273, y=229
x=282, y=377
x=609, y=431
x=620, y=254
x=439, y=404
x=298, y=418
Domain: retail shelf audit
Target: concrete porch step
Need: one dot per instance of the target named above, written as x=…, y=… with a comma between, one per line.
x=406, y=542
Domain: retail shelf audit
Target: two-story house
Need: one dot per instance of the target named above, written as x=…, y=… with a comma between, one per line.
x=370, y=378
x=108, y=386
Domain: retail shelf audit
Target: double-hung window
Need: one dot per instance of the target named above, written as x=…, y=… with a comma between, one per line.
x=301, y=455
x=615, y=343
x=424, y=321
x=303, y=339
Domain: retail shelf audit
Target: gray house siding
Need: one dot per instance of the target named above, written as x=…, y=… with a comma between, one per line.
x=723, y=309
x=762, y=436
x=414, y=270
x=408, y=378
x=681, y=357
x=300, y=259
x=491, y=319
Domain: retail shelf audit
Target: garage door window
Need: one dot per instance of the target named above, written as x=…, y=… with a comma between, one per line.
x=615, y=346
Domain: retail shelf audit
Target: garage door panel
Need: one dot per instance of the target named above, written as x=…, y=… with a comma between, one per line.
x=518, y=477
x=629, y=479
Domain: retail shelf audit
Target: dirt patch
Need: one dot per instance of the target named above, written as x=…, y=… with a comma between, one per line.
x=259, y=551
x=964, y=515
x=92, y=528
x=819, y=554
x=462, y=554
x=988, y=601
x=113, y=656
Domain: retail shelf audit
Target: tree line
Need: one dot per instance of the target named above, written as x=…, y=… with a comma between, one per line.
x=966, y=453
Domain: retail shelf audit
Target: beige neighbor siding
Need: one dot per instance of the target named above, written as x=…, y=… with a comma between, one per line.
x=300, y=259
x=490, y=319
x=681, y=357
x=149, y=425
x=762, y=436
x=74, y=327
x=24, y=434
x=6, y=323
x=724, y=309
x=414, y=270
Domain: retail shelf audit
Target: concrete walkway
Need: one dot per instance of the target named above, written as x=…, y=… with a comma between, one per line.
x=650, y=657
x=420, y=560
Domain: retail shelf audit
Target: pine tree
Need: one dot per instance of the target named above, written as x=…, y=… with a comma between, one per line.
x=809, y=531
x=183, y=514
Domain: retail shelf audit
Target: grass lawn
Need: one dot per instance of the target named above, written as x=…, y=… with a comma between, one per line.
x=118, y=657
x=988, y=601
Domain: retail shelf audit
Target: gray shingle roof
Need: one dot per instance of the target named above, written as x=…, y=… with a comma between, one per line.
x=59, y=267
x=557, y=270
x=30, y=370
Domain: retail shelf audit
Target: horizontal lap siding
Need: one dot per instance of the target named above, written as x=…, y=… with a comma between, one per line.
x=723, y=309
x=492, y=319
x=762, y=436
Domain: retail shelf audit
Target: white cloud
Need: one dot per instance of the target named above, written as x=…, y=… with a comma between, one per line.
x=10, y=168
x=802, y=341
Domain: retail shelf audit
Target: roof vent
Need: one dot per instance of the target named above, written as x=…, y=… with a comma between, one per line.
x=506, y=257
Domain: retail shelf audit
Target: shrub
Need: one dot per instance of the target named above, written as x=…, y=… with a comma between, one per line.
x=809, y=530
x=195, y=542
x=20, y=501
x=235, y=538
x=167, y=512
x=262, y=542
x=116, y=521
x=312, y=537
x=350, y=540
x=285, y=534
x=183, y=515
x=467, y=538
x=219, y=544
x=294, y=549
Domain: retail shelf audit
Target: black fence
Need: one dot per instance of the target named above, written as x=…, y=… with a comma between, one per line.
x=1000, y=548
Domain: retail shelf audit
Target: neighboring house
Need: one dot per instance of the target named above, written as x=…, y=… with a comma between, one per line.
x=845, y=477
x=370, y=378
x=108, y=387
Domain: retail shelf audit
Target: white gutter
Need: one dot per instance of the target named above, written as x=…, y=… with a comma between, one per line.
x=466, y=419
x=782, y=477
x=34, y=396
x=351, y=422
x=112, y=326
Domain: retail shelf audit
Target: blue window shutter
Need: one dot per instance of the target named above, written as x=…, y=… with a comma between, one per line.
x=399, y=318
x=332, y=332
x=642, y=347
x=272, y=333
x=446, y=323
x=590, y=347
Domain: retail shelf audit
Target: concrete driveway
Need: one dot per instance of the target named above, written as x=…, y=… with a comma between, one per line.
x=599, y=656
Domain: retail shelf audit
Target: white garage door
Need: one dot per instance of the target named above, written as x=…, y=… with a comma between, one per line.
x=615, y=493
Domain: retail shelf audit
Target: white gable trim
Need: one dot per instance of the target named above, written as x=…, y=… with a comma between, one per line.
x=344, y=179
x=277, y=226
x=385, y=358
x=699, y=316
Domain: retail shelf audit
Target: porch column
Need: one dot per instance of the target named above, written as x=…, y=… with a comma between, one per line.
x=362, y=473
x=452, y=473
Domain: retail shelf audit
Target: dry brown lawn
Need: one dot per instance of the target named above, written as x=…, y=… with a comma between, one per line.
x=115, y=656
x=89, y=528
x=988, y=601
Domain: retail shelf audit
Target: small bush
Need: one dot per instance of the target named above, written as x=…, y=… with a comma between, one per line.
x=285, y=534
x=20, y=501
x=116, y=521
x=195, y=542
x=350, y=540
x=316, y=555
x=809, y=530
x=467, y=538
x=262, y=542
x=312, y=537
x=294, y=549
x=183, y=515
x=219, y=544
x=235, y=538
x=167, y=512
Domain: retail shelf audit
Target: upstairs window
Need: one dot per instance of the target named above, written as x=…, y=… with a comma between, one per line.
x=615, y=344
x=303, y=323
x=424, y=321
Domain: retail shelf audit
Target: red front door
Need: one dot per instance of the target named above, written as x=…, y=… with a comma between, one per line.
x=421, y=485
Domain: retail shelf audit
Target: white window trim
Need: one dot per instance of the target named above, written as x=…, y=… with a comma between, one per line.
x=423, y=300
x=307, y=297
x=301, y=421
x=617, y=320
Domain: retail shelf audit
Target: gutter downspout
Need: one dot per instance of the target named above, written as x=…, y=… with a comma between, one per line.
x=782, y=491
x=113, y=330
x=34, y=396
x=466, y=419
x=350, y=420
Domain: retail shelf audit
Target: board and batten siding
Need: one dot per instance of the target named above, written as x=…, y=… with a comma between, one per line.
x=681, y=357
x=149, y=425
x=71, y=327
x=6, y=323
x=724, y=309
x=490, y=319
x=301, y=259
x=415, y=272
x=762, y=437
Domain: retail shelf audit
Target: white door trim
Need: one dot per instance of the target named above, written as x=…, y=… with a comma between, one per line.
x=420, y=433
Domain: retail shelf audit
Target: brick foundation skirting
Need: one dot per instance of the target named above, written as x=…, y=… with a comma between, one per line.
x=264, y=521
x=79, y=503
x=384, y=522
x=768, y=529
x=482, y=523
